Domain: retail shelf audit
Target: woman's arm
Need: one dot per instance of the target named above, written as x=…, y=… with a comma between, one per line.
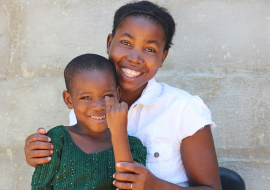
x=38, y=149
x=44, y=174
x=116, y=117
x=199, y=159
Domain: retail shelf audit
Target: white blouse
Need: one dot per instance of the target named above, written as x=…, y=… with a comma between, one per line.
x=161, y=118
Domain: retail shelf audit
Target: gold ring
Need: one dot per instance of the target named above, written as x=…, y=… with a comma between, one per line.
x=131, y=186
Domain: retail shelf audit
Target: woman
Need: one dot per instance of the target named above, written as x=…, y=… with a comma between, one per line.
x=173, y=125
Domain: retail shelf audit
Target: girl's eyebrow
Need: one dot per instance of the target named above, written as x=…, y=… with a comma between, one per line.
x=84, y=92
x=109, y=90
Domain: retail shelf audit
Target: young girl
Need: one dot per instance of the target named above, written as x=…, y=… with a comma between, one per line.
x=173, y=125
x=83, y=157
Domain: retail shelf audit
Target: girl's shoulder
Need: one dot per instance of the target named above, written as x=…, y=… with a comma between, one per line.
x=57, y=134
x=134, y=141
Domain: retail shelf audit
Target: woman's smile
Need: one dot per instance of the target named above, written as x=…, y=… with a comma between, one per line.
x=130, y=72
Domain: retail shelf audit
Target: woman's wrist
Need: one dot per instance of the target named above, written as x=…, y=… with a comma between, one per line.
x=160, y=184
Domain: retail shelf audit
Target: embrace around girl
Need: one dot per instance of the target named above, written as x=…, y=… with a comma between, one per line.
x=86, y=152
x=174, y=125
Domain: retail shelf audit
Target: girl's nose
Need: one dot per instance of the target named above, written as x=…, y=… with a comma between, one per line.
x=98, y=105
x=135, y=56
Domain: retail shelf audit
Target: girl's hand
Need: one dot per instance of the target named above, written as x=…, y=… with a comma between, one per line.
x=116, y=116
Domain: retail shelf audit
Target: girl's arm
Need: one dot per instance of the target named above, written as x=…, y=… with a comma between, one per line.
x=199, y=159
x=116, y=117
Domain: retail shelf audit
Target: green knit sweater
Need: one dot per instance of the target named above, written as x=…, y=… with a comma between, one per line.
x=71, y=168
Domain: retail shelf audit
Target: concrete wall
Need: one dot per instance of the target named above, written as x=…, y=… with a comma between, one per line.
x=221, y=52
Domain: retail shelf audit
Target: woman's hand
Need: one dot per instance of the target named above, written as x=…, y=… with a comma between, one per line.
x=199, y=159
x=116, y=116
x=140, y=177
x=38, y=148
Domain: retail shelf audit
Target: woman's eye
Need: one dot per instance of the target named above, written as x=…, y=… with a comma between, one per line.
x=150, y=50
x=125, y=43
x=86, y=98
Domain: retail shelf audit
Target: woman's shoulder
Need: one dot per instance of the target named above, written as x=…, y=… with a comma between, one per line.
x=168, y=90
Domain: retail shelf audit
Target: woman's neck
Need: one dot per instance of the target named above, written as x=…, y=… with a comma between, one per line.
x=131, y=96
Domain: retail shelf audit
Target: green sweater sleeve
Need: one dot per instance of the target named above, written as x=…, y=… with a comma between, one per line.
x=44, y=174
x=138, y=151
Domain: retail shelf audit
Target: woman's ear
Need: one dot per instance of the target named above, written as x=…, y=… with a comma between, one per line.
x=165, y=53
x=118, y=93
x=109, y=40
x=67, y=99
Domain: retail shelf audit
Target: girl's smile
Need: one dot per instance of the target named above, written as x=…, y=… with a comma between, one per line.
x=137, y=51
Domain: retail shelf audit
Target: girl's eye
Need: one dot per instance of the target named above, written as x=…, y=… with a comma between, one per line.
x=125, y=43
x=150, y=50
x=109, y=96
x=86, y=98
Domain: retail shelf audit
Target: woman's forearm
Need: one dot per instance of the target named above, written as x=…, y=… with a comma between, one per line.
x=165, y=185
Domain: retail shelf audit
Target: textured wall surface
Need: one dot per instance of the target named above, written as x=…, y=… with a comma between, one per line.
x=221, y=52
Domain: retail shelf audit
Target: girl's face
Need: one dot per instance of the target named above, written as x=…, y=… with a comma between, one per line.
x=87, y=98
x=137, y=51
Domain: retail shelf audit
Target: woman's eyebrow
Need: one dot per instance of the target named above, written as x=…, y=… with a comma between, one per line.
x=151, y=42
x=127, y=35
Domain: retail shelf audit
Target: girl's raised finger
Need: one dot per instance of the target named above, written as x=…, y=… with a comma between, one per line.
x=108, y=103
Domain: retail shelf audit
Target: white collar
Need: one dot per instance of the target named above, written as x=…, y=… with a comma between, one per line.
x=150, y=94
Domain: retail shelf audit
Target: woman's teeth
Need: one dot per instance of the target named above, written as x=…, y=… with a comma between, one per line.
x=94, y=117
x=130, y=73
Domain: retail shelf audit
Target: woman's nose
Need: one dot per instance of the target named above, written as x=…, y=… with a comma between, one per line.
x=135, y=56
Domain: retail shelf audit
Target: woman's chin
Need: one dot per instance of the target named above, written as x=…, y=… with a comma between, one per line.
x=131, y=87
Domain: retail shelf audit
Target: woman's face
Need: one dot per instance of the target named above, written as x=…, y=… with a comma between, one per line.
x=137, y=51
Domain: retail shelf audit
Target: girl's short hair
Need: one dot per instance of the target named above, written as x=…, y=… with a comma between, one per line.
x=87, y=62
x=148, y=10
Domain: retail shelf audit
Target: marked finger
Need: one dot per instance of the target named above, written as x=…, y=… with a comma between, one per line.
x=132, y=167
x=39, y=153
x=108, y=103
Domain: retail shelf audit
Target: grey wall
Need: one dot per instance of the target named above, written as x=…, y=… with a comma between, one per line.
x=221, y=52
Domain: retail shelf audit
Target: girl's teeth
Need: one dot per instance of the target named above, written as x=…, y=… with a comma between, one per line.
x=98, y=117
x=130, y=73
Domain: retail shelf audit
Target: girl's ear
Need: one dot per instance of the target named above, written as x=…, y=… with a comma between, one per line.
x=67, y=99
x=109, y=40
x=165, y=53
x=118, y=93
